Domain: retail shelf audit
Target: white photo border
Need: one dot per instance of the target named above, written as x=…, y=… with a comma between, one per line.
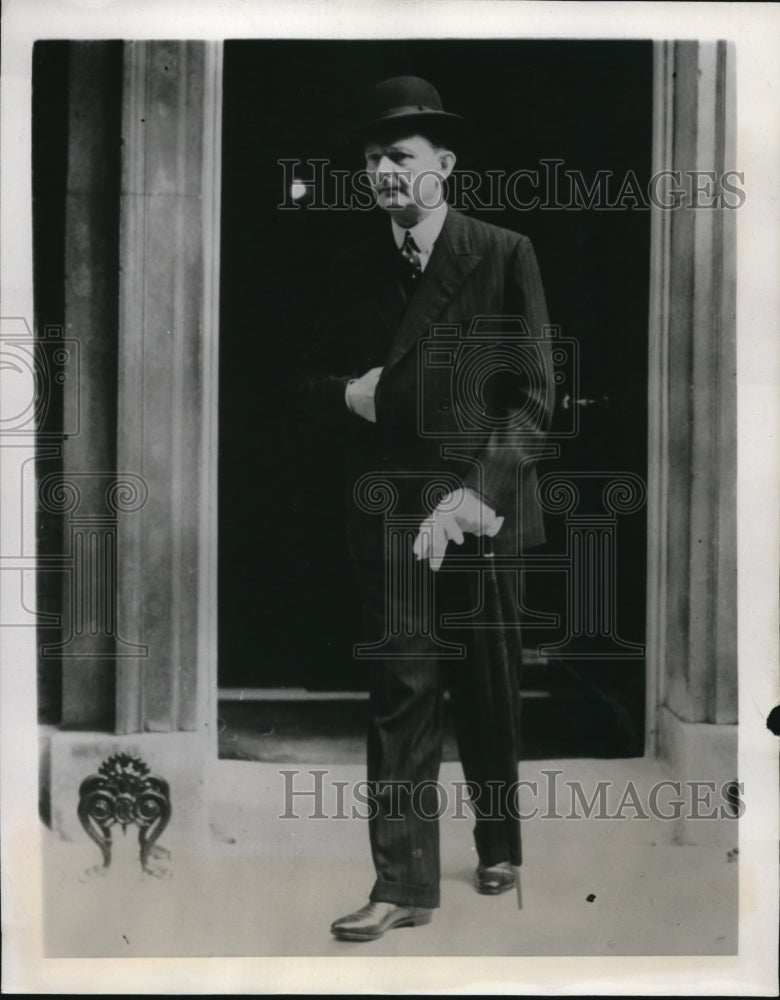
x=754, y=29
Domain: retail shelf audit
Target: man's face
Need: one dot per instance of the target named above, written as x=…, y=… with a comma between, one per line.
x=406, y=176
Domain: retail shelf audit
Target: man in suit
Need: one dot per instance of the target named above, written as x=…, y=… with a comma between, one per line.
x=443, y=443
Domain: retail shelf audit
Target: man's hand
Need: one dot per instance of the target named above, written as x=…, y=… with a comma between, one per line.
x=359, y=394
x=460, y=511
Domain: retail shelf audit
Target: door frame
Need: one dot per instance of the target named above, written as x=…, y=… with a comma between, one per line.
x=713, y=120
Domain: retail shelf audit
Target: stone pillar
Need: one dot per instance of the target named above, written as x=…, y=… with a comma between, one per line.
x=692, y=665
x=167, y=340
x=150, y=386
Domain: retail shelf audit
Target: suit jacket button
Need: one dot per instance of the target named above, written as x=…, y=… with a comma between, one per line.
x=385, y=459
x=444, y=405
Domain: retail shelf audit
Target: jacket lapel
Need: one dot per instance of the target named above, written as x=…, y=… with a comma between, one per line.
x=453, y=258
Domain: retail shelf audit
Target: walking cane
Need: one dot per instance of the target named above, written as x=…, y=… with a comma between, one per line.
x=502, y=695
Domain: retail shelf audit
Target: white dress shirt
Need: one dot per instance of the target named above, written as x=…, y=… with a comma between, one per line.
x=424, y=234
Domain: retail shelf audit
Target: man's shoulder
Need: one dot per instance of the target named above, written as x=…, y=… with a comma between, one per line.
x=486, y=233
x=483, y=235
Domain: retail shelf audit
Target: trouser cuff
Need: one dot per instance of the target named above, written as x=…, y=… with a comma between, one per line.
x=491, y=843
x=405, y=894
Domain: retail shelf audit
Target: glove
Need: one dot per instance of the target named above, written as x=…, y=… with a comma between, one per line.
x=359, y=394
x=460, y=511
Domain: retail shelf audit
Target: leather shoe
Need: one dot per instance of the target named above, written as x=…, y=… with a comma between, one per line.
x=490, y=880
x=371, y=922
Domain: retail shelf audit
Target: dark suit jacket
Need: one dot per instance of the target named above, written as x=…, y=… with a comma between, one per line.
x=467, y=404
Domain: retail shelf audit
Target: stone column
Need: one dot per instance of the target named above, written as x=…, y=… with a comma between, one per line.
x=151, y=397
x=692, y=665
x=167, y=375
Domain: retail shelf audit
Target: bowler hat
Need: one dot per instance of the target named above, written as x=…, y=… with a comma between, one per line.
x=404, y=102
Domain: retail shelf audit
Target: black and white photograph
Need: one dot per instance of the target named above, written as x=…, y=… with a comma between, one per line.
x=389, y=473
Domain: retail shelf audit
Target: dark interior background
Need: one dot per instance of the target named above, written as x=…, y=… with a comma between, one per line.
x=288, y=608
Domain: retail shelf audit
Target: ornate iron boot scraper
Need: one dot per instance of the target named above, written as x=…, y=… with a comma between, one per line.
x=124, y=792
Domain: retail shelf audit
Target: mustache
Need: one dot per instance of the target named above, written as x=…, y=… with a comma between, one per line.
x=391, y=181
x=390, y=188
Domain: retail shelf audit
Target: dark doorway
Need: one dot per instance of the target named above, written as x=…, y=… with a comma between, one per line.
x=288, y=607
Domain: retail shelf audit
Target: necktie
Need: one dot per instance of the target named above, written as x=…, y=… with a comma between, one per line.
x=411, y=255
